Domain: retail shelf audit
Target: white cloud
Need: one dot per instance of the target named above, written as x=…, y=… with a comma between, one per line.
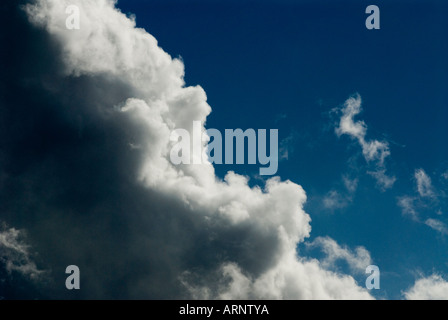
x=445, y=175
x=357, y=260
x=426, y=198
x=437, y=225
x=290, y=280
x=334, y=200
x=407, y=207
x=424, y=185
x=350, y=184
x=15, y=255
x=260, y=229
x=358, y=129
x=374, y=151
x=382, y=179
x=433, y=287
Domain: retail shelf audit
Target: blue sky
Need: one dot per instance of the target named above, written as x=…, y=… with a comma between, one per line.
x=287, y=64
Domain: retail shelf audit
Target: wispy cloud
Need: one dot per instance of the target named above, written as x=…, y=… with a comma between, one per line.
x=339, y=199
x=15, y=254
x=350, y=184
x=375, y=152
x=424, y=185
x=286, y=147
x=426, y=198
x=437, y=225
x=383, y=181
x=407, y=206
x=445, y=175
x=335, y=200
x=357, y=259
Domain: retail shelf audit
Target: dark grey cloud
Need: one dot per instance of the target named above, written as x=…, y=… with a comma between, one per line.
x=84, y=176
x=68, y=176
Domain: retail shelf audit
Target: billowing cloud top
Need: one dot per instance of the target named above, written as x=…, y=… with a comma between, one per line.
x=85, y=170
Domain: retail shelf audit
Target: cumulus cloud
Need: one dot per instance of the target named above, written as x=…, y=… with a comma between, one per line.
x=374, y=151
x=293, y=279
x=433, y=287
x=87, y=172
